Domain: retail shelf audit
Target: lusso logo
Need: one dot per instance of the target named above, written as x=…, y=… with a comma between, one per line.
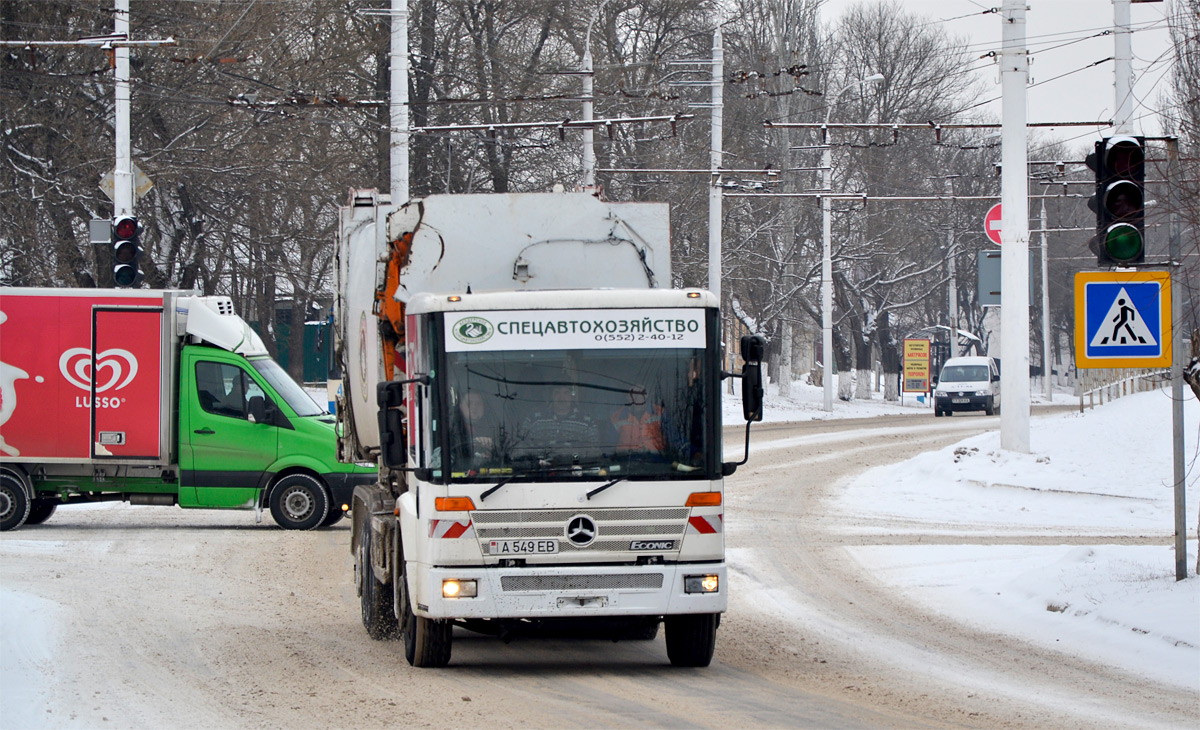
x=116, y=367
x=472, y=330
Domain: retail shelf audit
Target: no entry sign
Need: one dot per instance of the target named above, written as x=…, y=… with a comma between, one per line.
x=991, y=224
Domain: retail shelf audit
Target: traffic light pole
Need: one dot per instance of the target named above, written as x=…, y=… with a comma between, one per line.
x=1014, y=233
x=123, y=172
x=1122, y=68
x=1178, y=362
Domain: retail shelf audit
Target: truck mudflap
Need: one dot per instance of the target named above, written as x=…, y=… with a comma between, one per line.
x=571, y=591
x=341, y=486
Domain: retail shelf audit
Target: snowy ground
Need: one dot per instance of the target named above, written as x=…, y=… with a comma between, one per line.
x=1105, y=474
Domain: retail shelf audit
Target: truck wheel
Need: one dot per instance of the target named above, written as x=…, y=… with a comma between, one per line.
x=377, y=614
x=40, y=511
x=14, y=503
x=691, y=639
x=427, y=641
x=299, y=502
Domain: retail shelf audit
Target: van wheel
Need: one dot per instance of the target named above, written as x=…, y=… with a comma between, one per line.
x=991, y=408
x=41, y=510
x=378, y=614
x=691, y=639
x=427, y=642
x=937, y=412
x=14, y=502
x=299, y=502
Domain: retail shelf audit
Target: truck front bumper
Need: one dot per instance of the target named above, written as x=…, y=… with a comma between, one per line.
x=569, y=592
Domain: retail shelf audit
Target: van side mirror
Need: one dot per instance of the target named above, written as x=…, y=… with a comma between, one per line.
x=256, y=410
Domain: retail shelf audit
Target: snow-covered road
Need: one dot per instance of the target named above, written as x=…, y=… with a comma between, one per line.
x=894, y=571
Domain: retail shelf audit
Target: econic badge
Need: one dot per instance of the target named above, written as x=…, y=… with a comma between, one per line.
x=1122, y=319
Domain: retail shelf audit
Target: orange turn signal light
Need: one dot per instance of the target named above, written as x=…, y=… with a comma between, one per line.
x=704, y=499
x=453, y=504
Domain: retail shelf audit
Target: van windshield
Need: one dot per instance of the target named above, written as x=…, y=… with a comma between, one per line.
x=964, y=373
x=296, y=397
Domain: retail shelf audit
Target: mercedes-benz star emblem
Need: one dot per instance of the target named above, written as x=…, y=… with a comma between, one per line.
x=581, y=530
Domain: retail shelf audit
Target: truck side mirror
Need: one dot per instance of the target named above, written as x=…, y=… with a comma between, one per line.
x=390, y=396
x=754, y=349
x=752, y=392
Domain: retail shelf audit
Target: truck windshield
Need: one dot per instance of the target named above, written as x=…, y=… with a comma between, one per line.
x=296, y=397
x=592, y=414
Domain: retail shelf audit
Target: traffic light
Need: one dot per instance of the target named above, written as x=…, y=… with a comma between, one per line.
x=126, y=249
x=1120, y=200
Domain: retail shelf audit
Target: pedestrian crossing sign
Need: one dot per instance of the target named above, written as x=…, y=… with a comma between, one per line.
x=1122, y=319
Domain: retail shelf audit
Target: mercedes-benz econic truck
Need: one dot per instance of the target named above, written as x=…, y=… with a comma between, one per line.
x=546, y=416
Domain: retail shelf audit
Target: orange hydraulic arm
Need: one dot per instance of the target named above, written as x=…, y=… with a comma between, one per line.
x=391, y=312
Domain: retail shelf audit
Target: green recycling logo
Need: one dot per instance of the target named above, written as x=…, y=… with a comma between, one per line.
x=473, y=330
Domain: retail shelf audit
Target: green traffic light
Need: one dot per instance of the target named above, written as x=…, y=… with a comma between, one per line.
x=1123, y=242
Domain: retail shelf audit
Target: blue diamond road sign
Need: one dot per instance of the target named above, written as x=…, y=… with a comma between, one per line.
x=1122, y=319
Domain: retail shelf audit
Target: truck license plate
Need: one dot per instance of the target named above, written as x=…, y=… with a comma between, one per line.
x=522, y=547
x=960, y=400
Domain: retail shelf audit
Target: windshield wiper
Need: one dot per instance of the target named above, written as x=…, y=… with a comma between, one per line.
x=602, y=487
x=490, y=490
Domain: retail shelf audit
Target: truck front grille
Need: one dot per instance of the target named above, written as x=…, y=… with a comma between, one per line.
x=616, y=529
x=530, y=583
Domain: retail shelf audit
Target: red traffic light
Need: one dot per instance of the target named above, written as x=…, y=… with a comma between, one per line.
x=125, y=228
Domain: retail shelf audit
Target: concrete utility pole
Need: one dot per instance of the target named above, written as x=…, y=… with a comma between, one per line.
x=952, y=295
x=1014, y=233
x=398, y=103
x=714, y=165
x=1047, y=365
x=123, y=173
x=589, y=134
x=1122, y=68
x=827, y=243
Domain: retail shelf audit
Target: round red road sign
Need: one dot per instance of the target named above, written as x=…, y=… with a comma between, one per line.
x=991, y=224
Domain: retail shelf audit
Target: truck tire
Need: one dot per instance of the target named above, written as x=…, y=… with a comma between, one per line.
x=691, y=639
x=378, y=616
x=14, y=502
x=41, y=510
x=299, y=502
x=427, y=642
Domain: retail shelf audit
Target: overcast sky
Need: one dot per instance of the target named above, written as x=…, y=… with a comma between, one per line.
x=1061, y=36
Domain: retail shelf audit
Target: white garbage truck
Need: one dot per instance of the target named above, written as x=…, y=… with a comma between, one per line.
x=546, y=416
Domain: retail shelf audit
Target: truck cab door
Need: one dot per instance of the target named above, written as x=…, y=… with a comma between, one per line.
x=225, y=450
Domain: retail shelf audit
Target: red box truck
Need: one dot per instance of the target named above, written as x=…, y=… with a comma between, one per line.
x=155, y=397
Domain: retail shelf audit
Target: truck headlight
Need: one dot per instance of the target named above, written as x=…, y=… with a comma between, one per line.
x=455, y=588
x=700, y=584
